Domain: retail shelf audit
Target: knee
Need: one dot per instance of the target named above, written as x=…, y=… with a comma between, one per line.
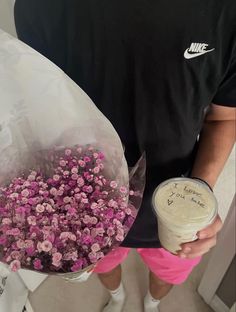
x=157, y=281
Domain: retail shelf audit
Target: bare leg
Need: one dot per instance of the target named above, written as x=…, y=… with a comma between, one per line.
x=157, y=287
x=157, y=290
x=111, y=280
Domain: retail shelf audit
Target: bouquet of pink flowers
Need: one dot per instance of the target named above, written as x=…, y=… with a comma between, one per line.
x=66, y=195
x=68, y=221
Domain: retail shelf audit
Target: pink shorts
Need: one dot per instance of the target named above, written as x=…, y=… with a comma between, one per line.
x=168, y=267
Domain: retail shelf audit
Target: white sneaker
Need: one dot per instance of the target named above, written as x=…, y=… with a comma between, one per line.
x=150, y=304
x=154, y=310
x=114, y=306
x=117, y=300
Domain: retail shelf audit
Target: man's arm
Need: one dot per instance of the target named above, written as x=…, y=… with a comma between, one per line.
x=216, y=142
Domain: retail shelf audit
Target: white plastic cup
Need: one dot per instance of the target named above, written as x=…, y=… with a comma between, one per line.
x=183, y=207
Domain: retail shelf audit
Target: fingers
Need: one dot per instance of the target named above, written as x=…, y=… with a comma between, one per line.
x=207, y=240
x=211, y=230
x=197, y=248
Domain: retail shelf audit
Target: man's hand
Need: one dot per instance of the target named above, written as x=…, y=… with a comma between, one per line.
x=206, y=240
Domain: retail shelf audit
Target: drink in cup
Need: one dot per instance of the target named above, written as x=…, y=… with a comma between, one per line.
x=183, y=207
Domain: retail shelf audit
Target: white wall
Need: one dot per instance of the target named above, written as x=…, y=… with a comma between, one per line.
x=225, y=186
x=6, y=16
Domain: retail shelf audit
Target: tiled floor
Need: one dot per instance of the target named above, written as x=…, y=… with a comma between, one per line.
x=56, y=295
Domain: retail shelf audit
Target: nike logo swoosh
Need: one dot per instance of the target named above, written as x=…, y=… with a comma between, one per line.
x=188, y=55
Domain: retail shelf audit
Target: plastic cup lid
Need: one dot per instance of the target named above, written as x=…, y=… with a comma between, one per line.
x=185, y=202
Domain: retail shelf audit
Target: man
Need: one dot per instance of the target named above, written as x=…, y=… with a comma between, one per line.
x=163, y=72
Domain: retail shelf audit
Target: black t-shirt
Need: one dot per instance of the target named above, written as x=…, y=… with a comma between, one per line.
x=151, y=66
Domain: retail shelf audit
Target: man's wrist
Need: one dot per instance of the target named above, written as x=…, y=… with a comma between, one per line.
x=203, y=181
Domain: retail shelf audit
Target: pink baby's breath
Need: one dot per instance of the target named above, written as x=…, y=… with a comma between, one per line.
x=82, y=163
x=53, y=191
x=72, y=237
x=31, y=177
x=37, y=264
x=87, y=159
x=128, y=211
x=16, y=255
x=13, y=231
x=100, y=255
x=46, y=246
x=49, y=208
x=93, y=220
x=25, y=193
x=84, y=201
x=80, y=182
x=113, y=184
x=96, y=170
x=66, y=199
x=92, y=257
x=56, y=177
x=15, y=265
x=67, y=152
x=56, y=259
x=119, y=237
x=110, y=231
x=74, y=170
x=94, y=205
x=95, y=247
x=74, y=176
x=60, y=192
x=29, y=243
x=123, y=189
x=65, y=221
x=77, y=266
x=62, y=163
x=40, y=208
x=20, y=244
x=6, y=221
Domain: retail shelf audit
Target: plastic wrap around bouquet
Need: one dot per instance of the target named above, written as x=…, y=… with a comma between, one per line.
x=67, y=197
